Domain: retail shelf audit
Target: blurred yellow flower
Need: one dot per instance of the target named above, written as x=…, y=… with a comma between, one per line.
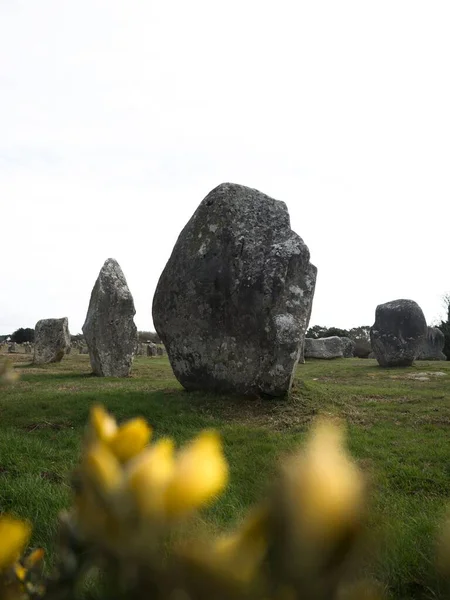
x=7, y=372
x=130, y=439
x=103, y=424
x=125, y=441
x=148, y=476
x=20, y=572
x=242, y=551
x=127, y=487
x=14, y=535
x=201, y=472
x=327, y=487
x=34, y=558
x=102, y=469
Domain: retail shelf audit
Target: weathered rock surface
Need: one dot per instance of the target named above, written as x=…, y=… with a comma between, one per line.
x=159, y=351
x=398, y=333
x=51, y=340
x=327, y=348
x=433, y=345
x=233, y=302
x=372, y=355
x=109, y=329
x=348, y=347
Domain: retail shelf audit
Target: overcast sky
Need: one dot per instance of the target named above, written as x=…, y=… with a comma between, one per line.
x=118, y=117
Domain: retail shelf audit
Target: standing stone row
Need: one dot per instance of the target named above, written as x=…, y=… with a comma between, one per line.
x=232, y=305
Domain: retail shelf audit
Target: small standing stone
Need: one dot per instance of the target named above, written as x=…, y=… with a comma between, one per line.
x=51, y=340
x=326, y=348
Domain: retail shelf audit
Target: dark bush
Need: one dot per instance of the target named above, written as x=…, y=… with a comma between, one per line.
x=152, y=336
x=22, y=335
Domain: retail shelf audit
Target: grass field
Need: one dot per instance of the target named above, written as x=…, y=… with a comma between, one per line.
x=399, y=431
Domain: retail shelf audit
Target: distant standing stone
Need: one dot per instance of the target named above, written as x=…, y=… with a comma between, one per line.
x=348, y=347
x=51, y=340
x=398, y=333
x=326, y=348
x=139, y=349
x=12, y=348
x=159, y=350
x=151, y=349
x=233, y=302
x=433, y=345
x=109, y=329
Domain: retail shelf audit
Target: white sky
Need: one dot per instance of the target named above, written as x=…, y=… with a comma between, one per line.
x=118, y=117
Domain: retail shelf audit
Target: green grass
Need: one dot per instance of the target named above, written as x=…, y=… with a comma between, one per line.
x=399, y=431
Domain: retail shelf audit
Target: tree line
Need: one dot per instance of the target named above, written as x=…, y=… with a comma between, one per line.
x=360, y=335
x=26, y=334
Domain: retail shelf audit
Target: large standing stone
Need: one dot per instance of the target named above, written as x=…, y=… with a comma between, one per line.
x=233, y=302
x=327, y=348
x=348, y=347
x=433, y=345
x=398, y=333
x=51, y=340
x=109, y=329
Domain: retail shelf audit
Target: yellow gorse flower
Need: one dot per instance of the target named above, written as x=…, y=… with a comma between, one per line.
x=326, y=486
x=130, y=439
x=158, y=480
x=14, y=535
x=125, y=441
x=35, y=558
x=200, y=474
x=149, y=475
x=102, y=468
x=128, y=486
x=7, y=372
x=103, y=425
x=241, y=552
